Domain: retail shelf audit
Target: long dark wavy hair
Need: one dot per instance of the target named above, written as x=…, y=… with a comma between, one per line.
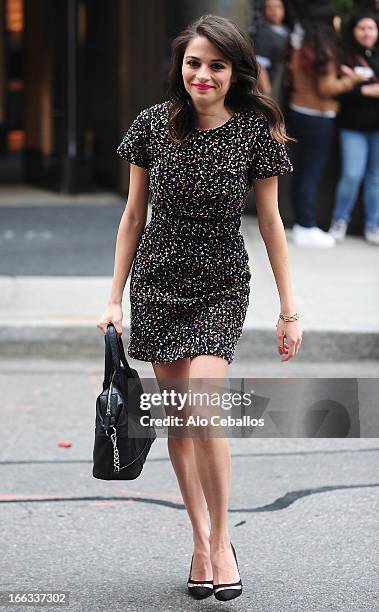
x=321, y=42
x=237, y=47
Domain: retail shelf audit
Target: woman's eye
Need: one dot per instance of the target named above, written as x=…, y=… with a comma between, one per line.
x=215, y=66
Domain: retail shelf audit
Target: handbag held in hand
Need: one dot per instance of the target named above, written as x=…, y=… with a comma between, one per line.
x=122, y=443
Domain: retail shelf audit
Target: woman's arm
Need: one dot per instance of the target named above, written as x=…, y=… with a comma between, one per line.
x=129, y=232
x=264, y=82
x=131, y=226
x=273, y=234
x=330, y=85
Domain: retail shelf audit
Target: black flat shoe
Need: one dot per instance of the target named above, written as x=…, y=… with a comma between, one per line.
x=227, y=591
x=200, y=589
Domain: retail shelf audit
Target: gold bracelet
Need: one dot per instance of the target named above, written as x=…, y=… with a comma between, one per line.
x=294, y=317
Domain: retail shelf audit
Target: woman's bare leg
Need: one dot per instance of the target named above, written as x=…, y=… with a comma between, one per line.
x=182, y=455
x=212, y=455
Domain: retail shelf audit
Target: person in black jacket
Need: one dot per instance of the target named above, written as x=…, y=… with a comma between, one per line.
x=270, y=42
x=359, y=131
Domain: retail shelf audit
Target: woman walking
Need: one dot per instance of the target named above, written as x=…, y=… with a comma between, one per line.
x=359, y=132
x=200, y=152
x=316, y=78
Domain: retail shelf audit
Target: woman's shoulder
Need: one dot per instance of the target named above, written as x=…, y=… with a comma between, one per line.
x=155, y=112
x=251, y=118
x=152, y=119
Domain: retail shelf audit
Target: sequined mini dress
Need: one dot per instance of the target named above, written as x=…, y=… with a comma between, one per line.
x=190, y=278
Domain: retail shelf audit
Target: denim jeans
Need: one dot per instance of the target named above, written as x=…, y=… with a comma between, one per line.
x=309, y=157
x=360, y=162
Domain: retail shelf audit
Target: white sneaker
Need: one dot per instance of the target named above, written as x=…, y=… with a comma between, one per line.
x=372, y=236
x=312, y=237
x=338, y=229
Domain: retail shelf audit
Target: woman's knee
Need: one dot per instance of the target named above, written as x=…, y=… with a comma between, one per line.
x=177, y=441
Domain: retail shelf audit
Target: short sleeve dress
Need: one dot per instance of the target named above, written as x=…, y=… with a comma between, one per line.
x=189, y=285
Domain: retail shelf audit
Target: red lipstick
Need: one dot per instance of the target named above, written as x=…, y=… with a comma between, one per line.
x=201, y=86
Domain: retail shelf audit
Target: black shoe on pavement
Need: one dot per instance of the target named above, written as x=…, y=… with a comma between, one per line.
x=200, y=589
x=231, y=590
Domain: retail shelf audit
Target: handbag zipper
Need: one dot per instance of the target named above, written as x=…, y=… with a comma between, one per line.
x=113, y=437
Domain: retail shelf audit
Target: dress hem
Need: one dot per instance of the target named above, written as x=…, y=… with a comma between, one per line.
x=141, y=357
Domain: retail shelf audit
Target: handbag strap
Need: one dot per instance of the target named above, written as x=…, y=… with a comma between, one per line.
x=123, y=358
x=114, y=354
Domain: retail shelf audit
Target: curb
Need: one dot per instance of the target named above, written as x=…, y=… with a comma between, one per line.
x=85, y=340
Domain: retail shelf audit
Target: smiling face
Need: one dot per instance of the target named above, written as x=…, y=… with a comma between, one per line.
x=207, y=75
x=366, y=32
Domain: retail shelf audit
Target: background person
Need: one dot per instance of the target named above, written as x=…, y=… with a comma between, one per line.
x=270, y=42
x=316, y=78
x=359, y=131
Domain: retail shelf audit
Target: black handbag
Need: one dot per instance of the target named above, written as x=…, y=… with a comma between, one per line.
x=122, y=442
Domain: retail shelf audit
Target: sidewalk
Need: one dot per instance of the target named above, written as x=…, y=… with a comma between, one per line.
x=336, y=292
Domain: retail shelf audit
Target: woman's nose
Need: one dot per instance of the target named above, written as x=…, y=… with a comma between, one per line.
x=203, y=74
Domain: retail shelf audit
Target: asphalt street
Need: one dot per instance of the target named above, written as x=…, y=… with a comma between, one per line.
x=302, y=512
x=58, y=240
